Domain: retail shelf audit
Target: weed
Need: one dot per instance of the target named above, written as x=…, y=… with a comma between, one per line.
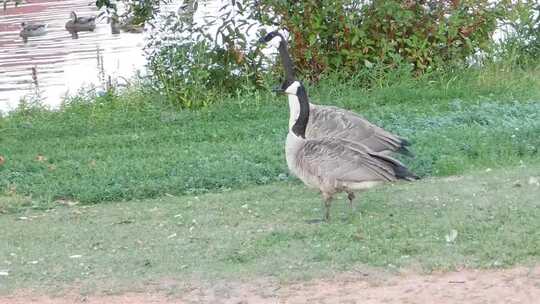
x=483, y=219
x=121, y=147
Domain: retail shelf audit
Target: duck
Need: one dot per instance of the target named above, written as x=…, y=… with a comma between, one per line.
x=79, y=24
x=337, y=122
x=126, y=25
x=32, y=30
x=333, y=164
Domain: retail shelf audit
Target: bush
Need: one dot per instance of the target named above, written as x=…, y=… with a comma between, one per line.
x=350, y=35
x=137, y=12
x=192, y=68
x=521, y=26
x=182, y=74
x=365, y=40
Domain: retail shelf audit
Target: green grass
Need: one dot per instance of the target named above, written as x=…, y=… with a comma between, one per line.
x=112, y=149
x=264, y=231
x=127, y=147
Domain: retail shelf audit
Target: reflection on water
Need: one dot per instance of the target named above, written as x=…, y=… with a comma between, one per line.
x=62, y=64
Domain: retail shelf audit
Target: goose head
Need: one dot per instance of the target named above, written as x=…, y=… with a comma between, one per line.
x=73, y=16
x=292, y=88
x=268, y=37
x=280, y=89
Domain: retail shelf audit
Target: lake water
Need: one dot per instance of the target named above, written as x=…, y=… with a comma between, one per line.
x=63, y=65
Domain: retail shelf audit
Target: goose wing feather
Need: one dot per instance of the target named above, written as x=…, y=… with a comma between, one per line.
x=34, y=27
x=336, y=122
x=85, y=19
x=334, y=160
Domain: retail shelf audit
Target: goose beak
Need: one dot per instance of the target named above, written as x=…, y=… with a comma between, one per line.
x=278, y=90
x=262, y=41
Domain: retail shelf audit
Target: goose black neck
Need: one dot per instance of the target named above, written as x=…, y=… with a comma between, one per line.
x=299, y=127
x=286, y=60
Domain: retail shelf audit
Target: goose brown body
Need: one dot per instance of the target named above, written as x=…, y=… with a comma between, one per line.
x=333, y=164
x=330, y=121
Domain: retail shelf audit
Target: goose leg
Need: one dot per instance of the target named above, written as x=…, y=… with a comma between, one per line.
x=327, y=202
x=351, y=196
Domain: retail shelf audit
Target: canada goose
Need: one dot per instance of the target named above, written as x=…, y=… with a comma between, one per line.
x=32, y=30
x=333, y=164
x=336, y=122
x=79, y=24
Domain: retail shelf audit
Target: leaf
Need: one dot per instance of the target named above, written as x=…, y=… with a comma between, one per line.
x=452, y=236
x=533, y=181
x=40, y=158
x=312, y=39
x=368, y=64
x=250, y=26
x=224, y=7
x=355, y=39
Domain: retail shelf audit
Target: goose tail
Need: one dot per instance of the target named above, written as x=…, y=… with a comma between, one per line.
x=405, y=151
x=400, y=171
x=403, y=172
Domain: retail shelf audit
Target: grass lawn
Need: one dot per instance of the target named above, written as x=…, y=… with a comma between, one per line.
x=117, y=192
x=126, y=147
x=264, y=231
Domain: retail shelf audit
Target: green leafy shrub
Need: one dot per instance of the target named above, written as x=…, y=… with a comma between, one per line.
x=183, y=74
x=352, y=35
x=521, y=27
x=370, y=41
x=137, y=12
x=193, y=68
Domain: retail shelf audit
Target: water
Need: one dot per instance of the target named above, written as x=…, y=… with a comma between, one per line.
x=63, y=64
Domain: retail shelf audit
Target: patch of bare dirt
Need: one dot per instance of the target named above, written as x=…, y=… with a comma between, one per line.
x=518, y=285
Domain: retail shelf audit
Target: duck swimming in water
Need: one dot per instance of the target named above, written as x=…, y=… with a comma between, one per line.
x=32, y=30
x=79, y=24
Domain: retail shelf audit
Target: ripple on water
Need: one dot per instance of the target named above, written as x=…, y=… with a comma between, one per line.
x=63, y=64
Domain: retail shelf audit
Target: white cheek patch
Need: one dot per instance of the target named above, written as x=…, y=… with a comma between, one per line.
x=294, y=110
x=293, y=88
